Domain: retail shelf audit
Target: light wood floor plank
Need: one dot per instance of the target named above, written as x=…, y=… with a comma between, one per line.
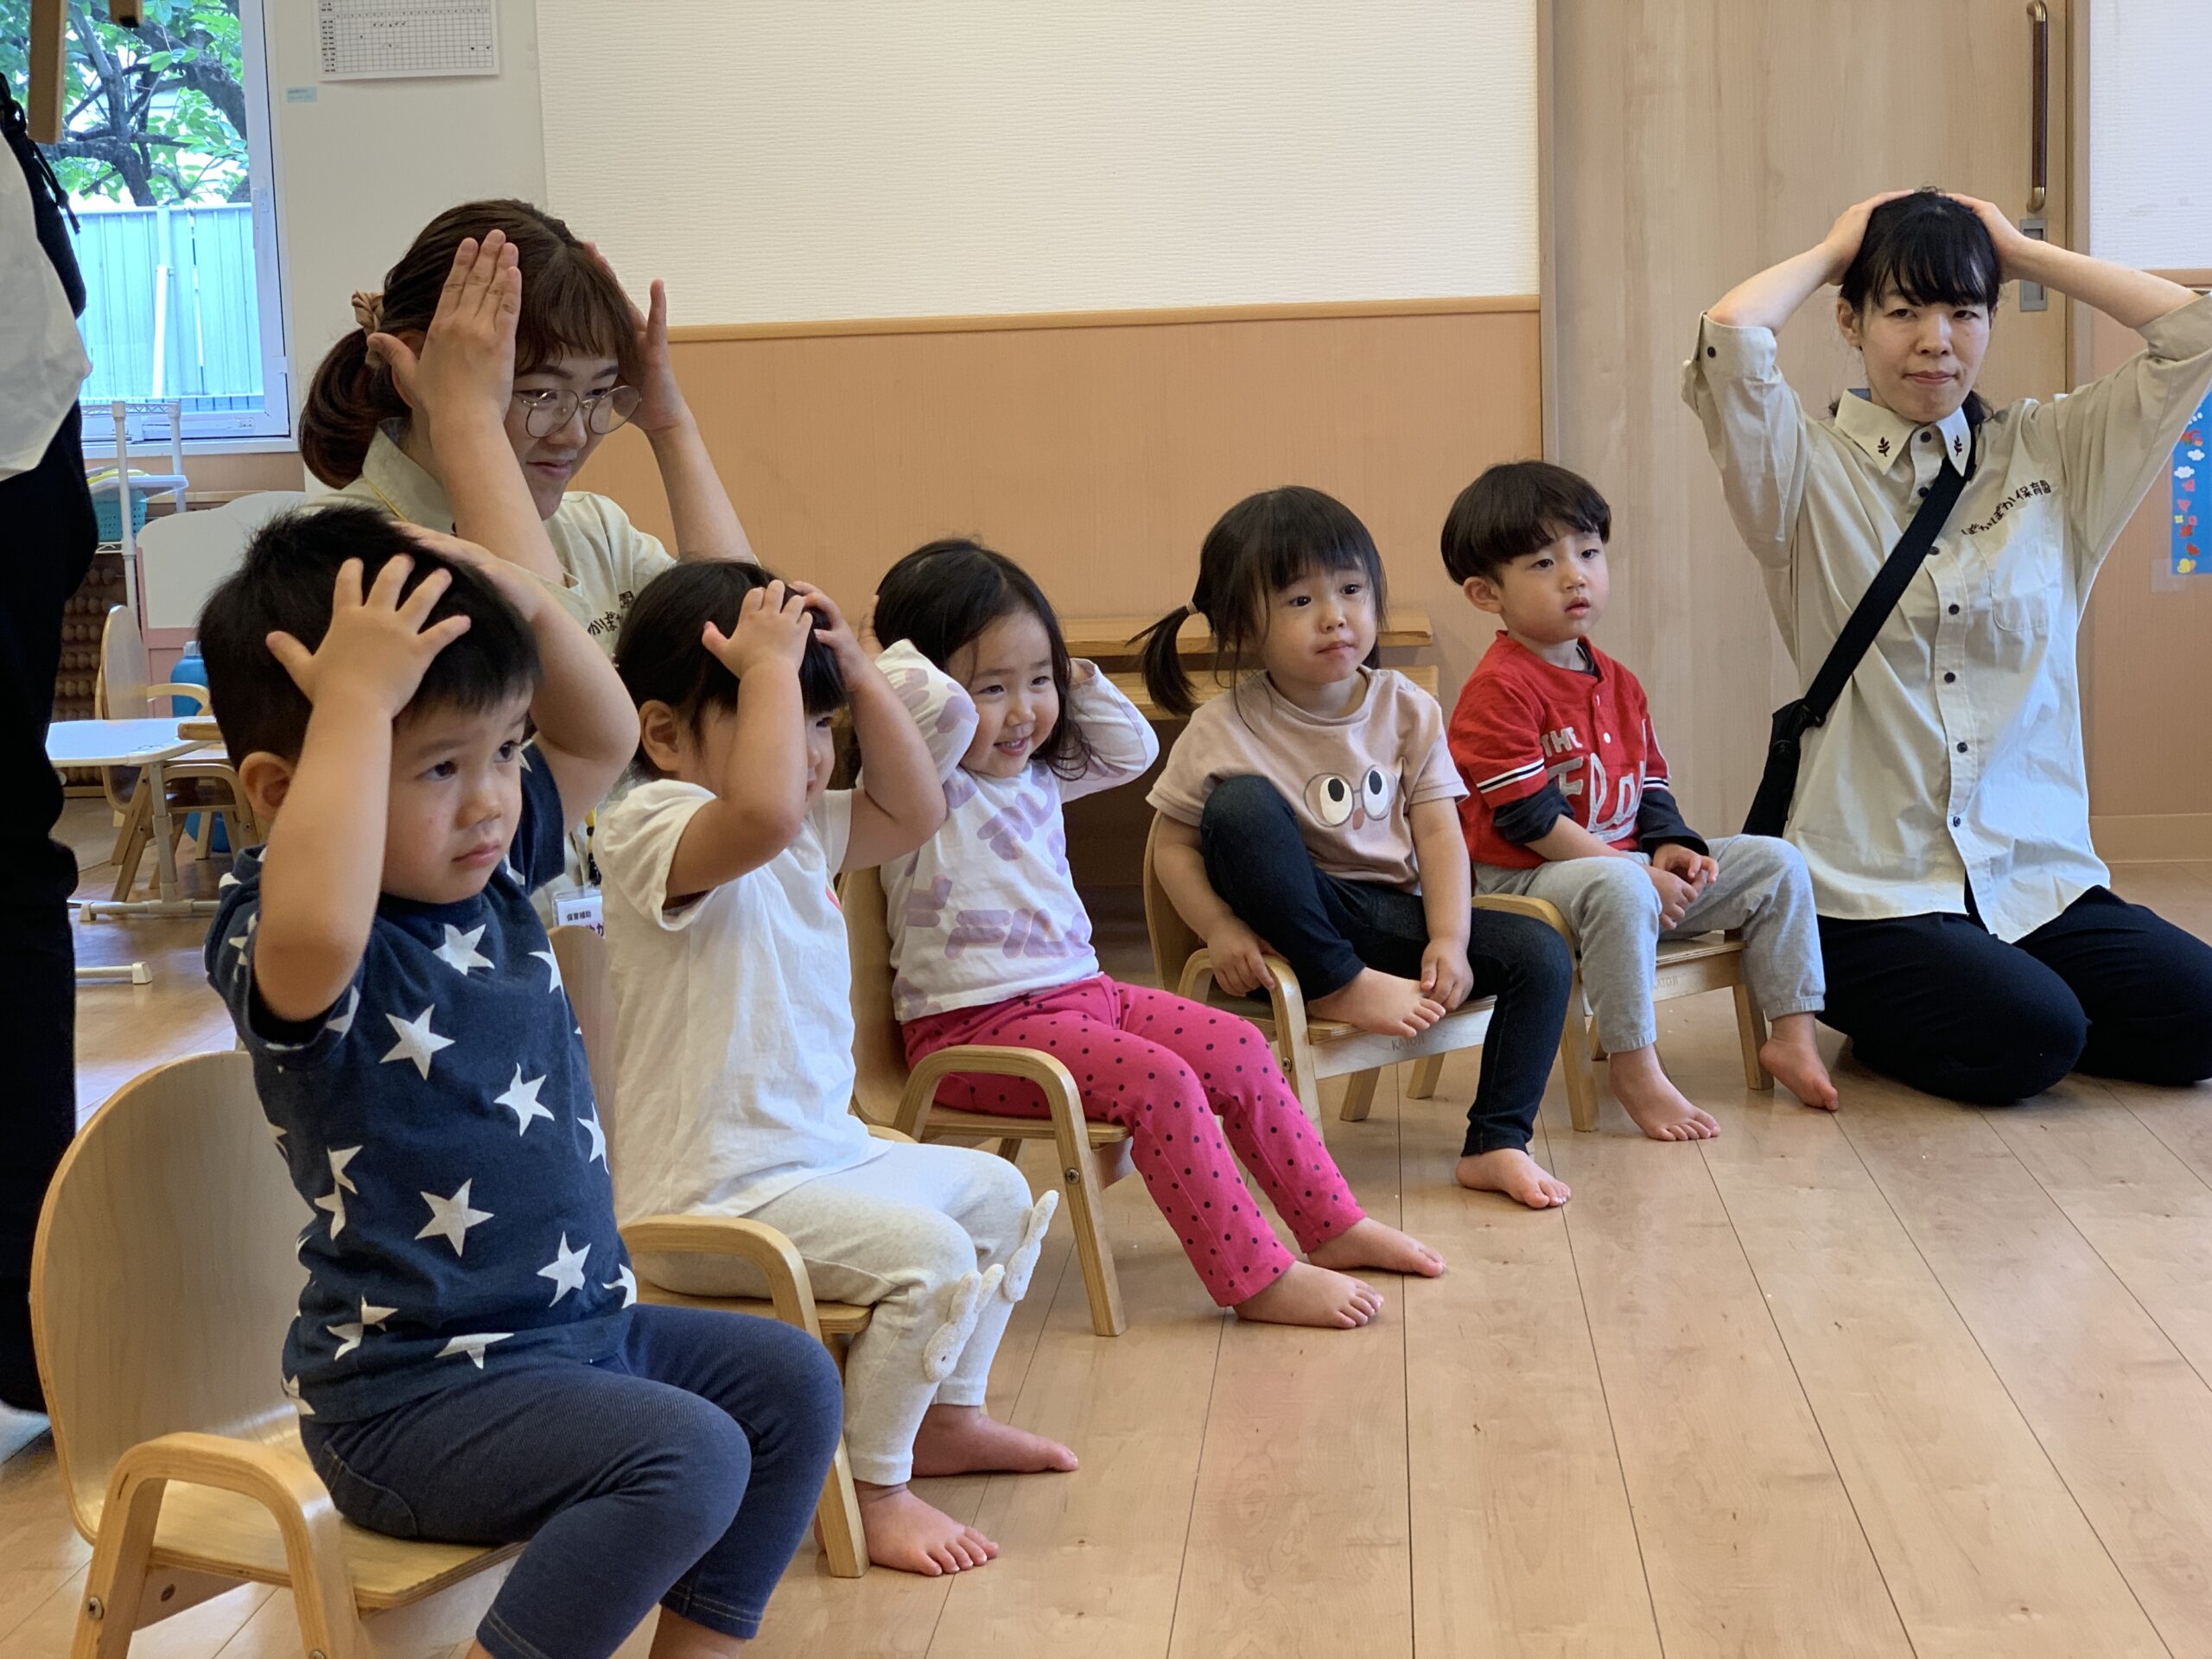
x=1523, y=1544
x=1984, y=1551
x=200, y=1632
x=1299, y=1540
x=2123, y=1416
x=1749, y=1543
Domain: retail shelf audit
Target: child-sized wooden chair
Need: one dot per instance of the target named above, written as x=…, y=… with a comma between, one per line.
x=1311, y=1051
x=581, y=954
x=162, y=1280
x=1092, y=1155
x=1712, y=961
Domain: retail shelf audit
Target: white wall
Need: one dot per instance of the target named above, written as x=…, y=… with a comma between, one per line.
x=2150, y=186
x=778, y=160
x=367, y=163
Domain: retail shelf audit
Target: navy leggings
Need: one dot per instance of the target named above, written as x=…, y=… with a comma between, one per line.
x=682, y=1470
x=1327, y=929
x=1940, y=1002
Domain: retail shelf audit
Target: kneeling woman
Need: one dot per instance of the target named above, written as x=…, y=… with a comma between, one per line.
x=1974, y=948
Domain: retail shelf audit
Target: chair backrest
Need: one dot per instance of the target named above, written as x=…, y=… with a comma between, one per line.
x=1173, y=939
x=120, y=691
x=165, y=1273
x=879, y=1053
x=186, y=555
x=582, y=956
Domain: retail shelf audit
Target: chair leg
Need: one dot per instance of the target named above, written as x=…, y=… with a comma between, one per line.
x=1750, y=1031
x=1297, y=1061
x=132, y=842
x=838, y=1521
x=1429, y=1071
x=1359, y=1096
x=1010, y=1149
x=1575, y=1043
x=118, y=1578
x=1086, y=1204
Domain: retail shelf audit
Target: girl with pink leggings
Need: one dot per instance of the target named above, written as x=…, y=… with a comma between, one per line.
x=990, y=943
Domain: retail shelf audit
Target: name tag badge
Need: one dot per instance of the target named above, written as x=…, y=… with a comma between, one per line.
x=580, y=909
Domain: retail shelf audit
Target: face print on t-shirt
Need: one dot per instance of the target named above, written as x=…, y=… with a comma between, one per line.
x=1335, y=801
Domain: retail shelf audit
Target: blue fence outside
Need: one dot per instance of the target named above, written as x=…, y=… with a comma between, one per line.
x=210, y=346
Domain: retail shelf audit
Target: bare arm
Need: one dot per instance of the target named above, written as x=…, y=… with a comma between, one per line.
x=1771, y=298
x=1440, y=851
x=1567, y=839
x=1235, y=948
x=324, y=868
x=761, y=778
x=900, y=800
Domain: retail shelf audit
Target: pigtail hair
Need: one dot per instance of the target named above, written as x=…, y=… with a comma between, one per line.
x=1165, y=677
x=348, y=400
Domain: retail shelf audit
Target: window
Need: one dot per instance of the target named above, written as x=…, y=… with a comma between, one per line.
x=165, y=155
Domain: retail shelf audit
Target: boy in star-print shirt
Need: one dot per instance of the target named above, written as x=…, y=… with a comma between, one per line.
x=469, y=1362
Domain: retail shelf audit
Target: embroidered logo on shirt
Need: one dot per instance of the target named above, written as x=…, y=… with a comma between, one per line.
x=2028, y=490
x=1883, y=447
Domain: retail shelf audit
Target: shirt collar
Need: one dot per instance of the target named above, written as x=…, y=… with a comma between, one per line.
x=1886, y=435
x=405, y=489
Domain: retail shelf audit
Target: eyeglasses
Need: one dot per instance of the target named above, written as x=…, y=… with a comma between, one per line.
x=546, y=412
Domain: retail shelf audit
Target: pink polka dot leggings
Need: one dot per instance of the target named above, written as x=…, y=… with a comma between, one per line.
x=1163, y=1068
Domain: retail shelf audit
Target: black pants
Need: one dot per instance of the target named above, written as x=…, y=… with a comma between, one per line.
x=1327, y=929
x=1940, y=1002
x=46, y=538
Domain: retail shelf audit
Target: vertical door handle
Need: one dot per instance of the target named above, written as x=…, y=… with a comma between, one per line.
x=2039, y=106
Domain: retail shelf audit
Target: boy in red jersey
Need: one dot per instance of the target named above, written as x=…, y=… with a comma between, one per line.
x=1569, y=797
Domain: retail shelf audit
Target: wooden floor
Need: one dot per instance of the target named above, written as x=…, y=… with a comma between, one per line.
x=1913, y=1380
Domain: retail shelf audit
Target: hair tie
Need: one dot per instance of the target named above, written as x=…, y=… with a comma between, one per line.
x=368, y=311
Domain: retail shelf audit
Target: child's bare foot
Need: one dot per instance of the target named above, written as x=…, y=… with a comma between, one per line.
x=1311, y=1295
x=1795, y=1058
x=905, y=1533
x=1381, y=1003
x=1650, y=1096
x=1367, y=1243
x=967, y=1441
x=1514, y=1173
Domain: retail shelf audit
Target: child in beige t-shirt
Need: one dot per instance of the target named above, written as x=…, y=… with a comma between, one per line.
x=1309, y=811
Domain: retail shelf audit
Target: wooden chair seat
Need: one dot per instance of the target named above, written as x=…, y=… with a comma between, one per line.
x=837, y=1322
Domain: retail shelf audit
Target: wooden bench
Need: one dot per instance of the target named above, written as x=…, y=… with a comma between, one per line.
x=1106, y=639
x=1206, y=688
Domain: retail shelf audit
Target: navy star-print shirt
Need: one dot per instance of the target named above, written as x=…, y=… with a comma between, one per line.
x=439, y=1123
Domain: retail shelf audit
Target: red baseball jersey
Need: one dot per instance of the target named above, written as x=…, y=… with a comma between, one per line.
x=1522, y=726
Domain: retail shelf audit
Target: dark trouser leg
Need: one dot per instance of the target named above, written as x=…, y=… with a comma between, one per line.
x=1259, y=865
x=2144, y=984
x=1529, y=969
x=46, y=524
x=684, y=1471
x=1937, y=1002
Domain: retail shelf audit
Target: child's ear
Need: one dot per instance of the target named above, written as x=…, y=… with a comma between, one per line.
x=266, y=778
x=660, y=734
x=1483, y=593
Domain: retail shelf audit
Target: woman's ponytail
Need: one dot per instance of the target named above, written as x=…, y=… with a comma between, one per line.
x=1165, y=677
x=348, y=400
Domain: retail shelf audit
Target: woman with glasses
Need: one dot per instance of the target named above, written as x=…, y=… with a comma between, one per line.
x=585, y=362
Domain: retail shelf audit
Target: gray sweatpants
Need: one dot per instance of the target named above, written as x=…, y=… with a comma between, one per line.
x=1613, y=909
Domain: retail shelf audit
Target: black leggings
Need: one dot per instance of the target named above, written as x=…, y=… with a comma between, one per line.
x=1327, y=929
x=1940, y=1003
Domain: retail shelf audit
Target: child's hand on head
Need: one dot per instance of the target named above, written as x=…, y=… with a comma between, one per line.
x=660, y=400
x=853, y=659
x=773, y=625
x=467, y=357
x=375, y=650
x=1445, y=978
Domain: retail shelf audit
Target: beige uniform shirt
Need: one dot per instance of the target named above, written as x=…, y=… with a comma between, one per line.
x=1955, y=755
x=609, y=560
x=1352, y=780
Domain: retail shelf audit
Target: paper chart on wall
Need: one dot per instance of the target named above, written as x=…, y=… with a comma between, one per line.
x=380, y=39
x=2189, y=542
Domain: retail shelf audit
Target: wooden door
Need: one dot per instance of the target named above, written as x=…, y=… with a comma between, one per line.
x=1687, y=144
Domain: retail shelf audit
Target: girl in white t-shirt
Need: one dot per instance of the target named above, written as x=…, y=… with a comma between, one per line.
x=1309, y=810
x=990, y=943
x=734, y=1028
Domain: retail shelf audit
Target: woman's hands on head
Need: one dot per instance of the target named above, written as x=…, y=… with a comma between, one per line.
x=1841, y=243
x=660, y=400
x=467, y=357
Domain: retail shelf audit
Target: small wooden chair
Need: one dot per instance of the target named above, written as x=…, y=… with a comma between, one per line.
x=1092, y=1155
x=204, y=783
x=1712, y=961
x=1311, y=1049
x=581, y=954
x=162, y=1280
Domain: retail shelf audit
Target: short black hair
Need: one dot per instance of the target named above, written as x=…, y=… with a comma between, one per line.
x=1927, y=248
x=1515, y=508
x=662, y=658
x=946, y=593
x=284, y=584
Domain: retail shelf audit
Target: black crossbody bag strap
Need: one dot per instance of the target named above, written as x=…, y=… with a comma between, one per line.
x=1769, y=810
